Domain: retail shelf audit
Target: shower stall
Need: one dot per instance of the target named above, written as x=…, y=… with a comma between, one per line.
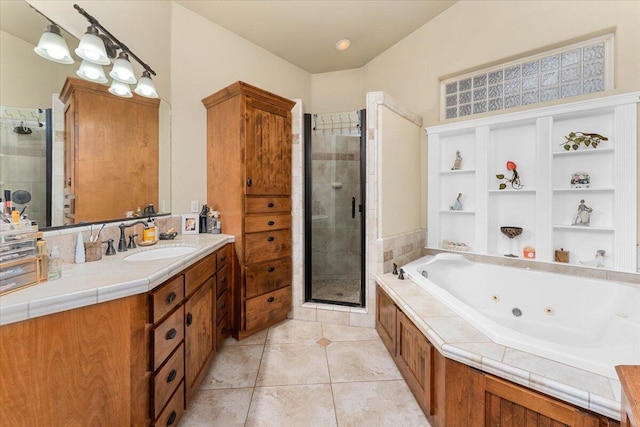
x=334, y=208
x=25, y=160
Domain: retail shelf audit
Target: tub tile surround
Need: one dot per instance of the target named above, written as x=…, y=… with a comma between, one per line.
x=100, y=281
x=582, y=388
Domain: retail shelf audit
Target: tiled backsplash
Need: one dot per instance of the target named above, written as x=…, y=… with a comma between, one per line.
x=403, y=248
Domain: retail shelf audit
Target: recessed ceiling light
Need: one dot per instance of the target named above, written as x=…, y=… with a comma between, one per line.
x=343, y=44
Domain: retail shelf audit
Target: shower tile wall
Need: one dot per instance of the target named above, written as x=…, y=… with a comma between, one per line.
x=336, y=244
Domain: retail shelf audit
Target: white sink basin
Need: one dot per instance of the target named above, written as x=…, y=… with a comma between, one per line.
x=161, y=252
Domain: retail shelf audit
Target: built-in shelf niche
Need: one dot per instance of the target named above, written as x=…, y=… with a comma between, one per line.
x=547, y=204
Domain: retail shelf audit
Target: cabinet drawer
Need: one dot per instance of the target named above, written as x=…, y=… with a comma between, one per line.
x=166, y=337
x=223, y=331
x=257, y=223
x=261, y=247
x=267, y=204
x=222, y=306
x=166, y=297
x=223, y=280
x=198, y=273
x=223, y=257
x=266, y=308
x=167, y=379
x=173, y=411
x=267, y=276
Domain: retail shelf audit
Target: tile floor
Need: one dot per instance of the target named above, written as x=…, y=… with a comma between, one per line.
x=305, y=374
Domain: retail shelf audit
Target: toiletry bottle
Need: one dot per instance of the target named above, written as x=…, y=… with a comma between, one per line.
x=55, y=264
x=217, y=225
x=80, y=257
x=203, y=219
x=1, y=207
x=15, y=215
x=149, y=233
x=43, y=260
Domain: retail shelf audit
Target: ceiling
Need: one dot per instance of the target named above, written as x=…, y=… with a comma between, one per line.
x=304, y=32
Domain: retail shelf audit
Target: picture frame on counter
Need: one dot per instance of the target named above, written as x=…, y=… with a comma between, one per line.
x=190, y=224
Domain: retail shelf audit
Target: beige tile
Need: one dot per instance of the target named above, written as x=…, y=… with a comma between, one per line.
x=360, y=361
x=223, y=408
x=292, y=406
x=294, y=331
x=362, y=320
x=235, y=367
x=288, y=364
x=564, y=374
x=348, y=333
x=255, y=339
x=335, y=317
x=377, y=403
x=453, y=329
x=484, y=349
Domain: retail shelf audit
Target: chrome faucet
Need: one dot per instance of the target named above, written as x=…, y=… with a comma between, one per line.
x=122, y=243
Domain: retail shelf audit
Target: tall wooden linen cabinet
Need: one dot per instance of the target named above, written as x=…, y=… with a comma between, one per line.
x=249, y=182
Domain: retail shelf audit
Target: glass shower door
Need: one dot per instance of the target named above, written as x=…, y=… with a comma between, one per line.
x=334, y=235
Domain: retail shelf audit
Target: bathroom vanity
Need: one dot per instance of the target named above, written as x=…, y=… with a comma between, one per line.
x=461, y=378
x=132, y=351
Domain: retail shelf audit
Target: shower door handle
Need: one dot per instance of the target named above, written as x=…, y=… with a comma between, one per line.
x=353, y=207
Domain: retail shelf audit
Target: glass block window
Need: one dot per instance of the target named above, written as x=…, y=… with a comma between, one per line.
x=573, y=70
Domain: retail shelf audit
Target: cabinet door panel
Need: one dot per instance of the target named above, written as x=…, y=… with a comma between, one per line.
x=199, y=318
x=268, y=150
x=386, y=320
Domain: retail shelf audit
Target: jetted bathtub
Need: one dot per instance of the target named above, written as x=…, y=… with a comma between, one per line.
x=586, y=323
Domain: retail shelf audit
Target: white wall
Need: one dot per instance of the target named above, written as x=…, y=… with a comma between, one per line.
x=205, y=59
x=471, y=34
x=337, y=91
x=399, y=174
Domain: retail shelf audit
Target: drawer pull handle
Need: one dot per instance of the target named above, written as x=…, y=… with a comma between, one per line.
x=171, y=298
x=172, y=376
x=223, y=305
x=223, y=258
x=270, y=239
x=271, y=269
x=224, y=279
x=271, y=205
x=249, y=182
x=271, y=299
x=271, y=223
x=172, y=418
x=171, y=334
x=189, y=319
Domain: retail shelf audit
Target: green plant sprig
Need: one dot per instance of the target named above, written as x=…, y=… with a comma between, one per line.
x=574, y=139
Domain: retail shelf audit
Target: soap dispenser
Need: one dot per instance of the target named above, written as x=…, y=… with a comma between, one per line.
x=149, y=232
x=203, y=219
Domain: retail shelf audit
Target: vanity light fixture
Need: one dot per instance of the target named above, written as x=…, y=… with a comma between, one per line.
x=52, y=46
x=122, y=70
x=343, y=44
x=92, y=72
x=146, y=87
x=91, y=47
x=97, y=48
x=120, y=89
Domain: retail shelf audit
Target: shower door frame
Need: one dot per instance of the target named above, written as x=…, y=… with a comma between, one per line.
x=308, y=200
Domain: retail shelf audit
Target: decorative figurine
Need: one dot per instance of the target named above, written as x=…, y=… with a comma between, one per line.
x=598, y=261
x=457, y=205
x=562, y=256
x=580, y=179
x=583, y=216
x=454, y=246
x=457, y=164
x=515, y=179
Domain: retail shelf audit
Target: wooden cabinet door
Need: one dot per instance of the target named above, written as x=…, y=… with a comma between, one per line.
x=199, y=333
x=268, y=149
x=414, y=356
x=386, y=320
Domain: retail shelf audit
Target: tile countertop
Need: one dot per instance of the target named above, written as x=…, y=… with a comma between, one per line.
x=108, y=279
x=460, y=341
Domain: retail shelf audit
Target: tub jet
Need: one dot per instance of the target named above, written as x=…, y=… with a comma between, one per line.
x=516, y=312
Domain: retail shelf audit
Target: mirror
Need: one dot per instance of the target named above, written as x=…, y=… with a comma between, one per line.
x=32, y=120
